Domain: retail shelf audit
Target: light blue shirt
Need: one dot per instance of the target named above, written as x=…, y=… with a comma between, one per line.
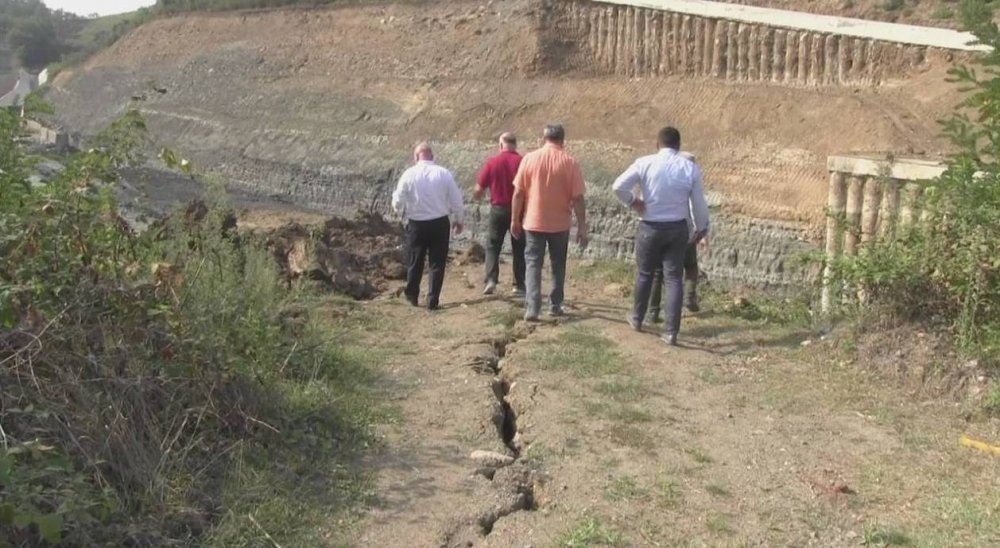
x=671, y=186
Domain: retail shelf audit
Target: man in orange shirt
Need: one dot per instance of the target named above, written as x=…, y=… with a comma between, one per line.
x=548, y=190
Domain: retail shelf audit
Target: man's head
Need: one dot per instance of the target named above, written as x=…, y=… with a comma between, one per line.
x=554, y=133
x=669, y=137
x=508, y=141
x=423, y=152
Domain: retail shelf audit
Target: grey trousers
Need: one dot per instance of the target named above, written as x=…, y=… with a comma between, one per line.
x=661, y=244
x=690, y=281
x=534, y=256
x=498, y=228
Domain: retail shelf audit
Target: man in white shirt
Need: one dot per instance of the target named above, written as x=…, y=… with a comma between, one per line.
x=671, y=189
x=425, y=196
x=691, y=271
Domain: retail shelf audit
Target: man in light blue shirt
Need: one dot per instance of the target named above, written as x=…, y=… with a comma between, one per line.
x=671, y=190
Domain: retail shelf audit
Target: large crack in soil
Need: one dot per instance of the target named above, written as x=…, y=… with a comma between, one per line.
x=511, y=481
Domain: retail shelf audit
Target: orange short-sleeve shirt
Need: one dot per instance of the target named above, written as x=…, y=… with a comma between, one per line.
x=551, y=180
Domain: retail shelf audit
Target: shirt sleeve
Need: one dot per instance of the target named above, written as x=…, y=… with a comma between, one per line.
x=699, y=206
x=400, y=195
x=626, y=182
x=455, y=198
x=520, y=180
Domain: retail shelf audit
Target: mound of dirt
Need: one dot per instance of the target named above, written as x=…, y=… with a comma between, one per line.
x=356, y=257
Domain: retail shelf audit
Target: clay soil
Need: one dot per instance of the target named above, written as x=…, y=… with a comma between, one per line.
x=599, y=435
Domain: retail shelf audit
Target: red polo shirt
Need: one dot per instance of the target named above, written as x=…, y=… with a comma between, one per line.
x=498, y=176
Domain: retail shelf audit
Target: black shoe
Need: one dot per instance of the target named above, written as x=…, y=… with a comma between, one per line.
x=433, y=305
x=669, y=339
x=692, y=305
x=412, y=299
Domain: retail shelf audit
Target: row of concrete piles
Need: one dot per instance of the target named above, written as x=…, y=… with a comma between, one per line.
x=632, y=41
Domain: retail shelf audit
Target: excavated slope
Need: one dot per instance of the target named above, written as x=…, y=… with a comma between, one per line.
x=322, y=106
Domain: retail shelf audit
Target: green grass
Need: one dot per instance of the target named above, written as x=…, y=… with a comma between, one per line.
x=578, y=351
x=668, y=491
x=590, y=532
x=506, y=318
x=717, y=490
x=624, y=489
x=625, y=390
x=877, y=535
x=698, y=455
x=631, y=436
x=607, y=272
x=718, y=524
x=944, y=12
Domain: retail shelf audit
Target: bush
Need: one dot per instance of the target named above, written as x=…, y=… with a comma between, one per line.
x=947, y=269
x=132, y=367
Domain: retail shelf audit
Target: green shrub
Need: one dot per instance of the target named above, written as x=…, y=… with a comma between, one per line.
x=136, y=371
x=946, y=269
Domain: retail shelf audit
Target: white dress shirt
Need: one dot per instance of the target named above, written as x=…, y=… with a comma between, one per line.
x=428, y=191
x=670, y=185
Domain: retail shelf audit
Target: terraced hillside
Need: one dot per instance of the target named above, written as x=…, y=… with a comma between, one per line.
x=321, y=107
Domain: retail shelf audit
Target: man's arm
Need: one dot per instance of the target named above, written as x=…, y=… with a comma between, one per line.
x=400, y=196
x=580, y=208
x=624, y=185
x=699, y=206
x=517, y=204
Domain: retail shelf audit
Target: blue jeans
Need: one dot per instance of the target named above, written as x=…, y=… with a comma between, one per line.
x=534, y=257
x=661, y=244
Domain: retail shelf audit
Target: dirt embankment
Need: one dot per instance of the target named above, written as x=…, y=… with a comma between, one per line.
x=321, y=107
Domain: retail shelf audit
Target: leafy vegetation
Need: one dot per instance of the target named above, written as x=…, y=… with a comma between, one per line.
x=162, y=388
x=946, y=269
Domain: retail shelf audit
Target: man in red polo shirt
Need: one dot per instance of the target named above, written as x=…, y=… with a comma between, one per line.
x=498, y=176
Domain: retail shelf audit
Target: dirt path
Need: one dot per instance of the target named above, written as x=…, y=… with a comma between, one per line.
x=744, y=438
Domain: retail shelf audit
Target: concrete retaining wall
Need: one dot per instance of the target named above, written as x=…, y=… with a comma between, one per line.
x=628, y=40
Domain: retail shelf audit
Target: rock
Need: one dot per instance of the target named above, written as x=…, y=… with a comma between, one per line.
x=615, y=290
x=491, y=459
x=805, y=343
x=474, y=254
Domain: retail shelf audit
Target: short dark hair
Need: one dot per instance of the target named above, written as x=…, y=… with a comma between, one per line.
x=669, y=137
x=509, y=139
x=554, y=132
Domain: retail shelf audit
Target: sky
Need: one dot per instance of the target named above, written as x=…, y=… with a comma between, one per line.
x=100, y=7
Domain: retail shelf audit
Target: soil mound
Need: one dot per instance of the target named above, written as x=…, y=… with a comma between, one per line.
x=356, y=257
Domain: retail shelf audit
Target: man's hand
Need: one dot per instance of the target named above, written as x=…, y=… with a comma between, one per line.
x=701, y=240
x=582, y=237
x=459, y=227
x=516, y=230
x=478, y=194
x=638, y=205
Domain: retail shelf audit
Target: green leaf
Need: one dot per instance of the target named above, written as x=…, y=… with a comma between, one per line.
x=50, y=527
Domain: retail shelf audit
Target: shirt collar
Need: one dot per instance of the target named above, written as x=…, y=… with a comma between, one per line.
x=550, y=144
x=667, y=151
x=425, y=162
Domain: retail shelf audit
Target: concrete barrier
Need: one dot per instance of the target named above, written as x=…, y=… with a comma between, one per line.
x=748, y=44
x=869, y=198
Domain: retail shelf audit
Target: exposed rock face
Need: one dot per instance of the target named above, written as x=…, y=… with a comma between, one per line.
x=321, y=108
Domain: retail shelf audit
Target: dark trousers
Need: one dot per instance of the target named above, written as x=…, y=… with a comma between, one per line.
x=426, y=240
x=534, y=254
x=661, y=245
x=690, y=280
x=498, y=229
